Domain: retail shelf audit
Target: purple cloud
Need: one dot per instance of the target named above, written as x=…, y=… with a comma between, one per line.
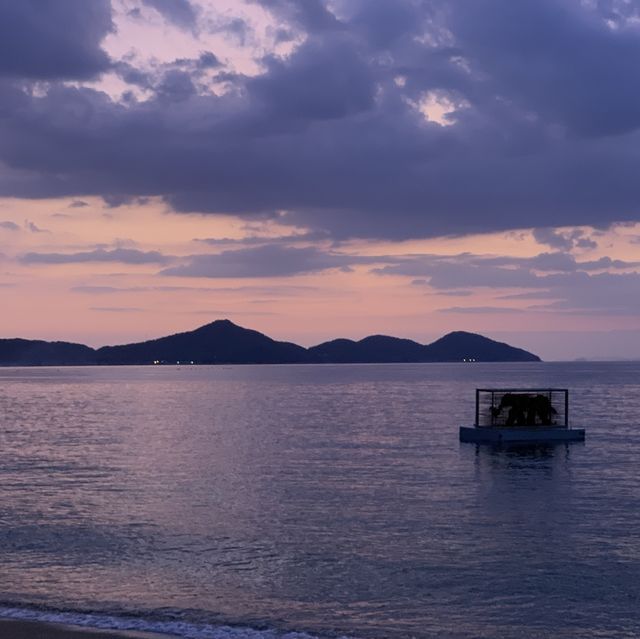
x=49, y=39
x=267, y=261
x=543, y=114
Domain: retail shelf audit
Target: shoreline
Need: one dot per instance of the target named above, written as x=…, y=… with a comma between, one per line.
x=20, y=629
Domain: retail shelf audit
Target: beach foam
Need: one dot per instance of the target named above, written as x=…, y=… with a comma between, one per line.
x=177, y=628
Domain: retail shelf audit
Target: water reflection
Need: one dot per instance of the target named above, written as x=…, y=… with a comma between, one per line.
x=527, y=451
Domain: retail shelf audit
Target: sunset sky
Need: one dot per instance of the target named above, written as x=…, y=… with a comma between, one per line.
x=322, y=168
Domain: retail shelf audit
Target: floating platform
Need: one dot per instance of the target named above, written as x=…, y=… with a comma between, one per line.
x=517, y=415
x=491, y=435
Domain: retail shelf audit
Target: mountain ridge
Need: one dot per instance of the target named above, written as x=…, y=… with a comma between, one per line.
x=223, y=342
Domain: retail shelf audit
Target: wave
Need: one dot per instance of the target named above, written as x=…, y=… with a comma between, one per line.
x=177, y=628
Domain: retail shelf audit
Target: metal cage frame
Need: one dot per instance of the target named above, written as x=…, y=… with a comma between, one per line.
x=531, y=393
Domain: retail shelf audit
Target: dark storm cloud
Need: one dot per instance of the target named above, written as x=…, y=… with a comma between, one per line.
x=182, y=13
x=384, y=22
x=542, y=100
x=176, y=86
x=121, y=255
x=556, y=59
x=49, y=39
x=329, y=80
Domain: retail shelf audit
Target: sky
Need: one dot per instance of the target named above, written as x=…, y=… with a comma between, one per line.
x=322, y=168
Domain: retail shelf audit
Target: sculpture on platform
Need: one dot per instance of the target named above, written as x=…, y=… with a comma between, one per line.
x=525, y=410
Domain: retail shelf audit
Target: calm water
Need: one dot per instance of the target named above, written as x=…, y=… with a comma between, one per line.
x=332, y=500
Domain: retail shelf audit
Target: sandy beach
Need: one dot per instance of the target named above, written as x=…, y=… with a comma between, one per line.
x=11, y=629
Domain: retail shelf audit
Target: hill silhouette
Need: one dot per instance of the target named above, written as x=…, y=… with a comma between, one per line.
x=223, y=342
x=376, y=348
x=454, y=347
x=461, y=345
x=27, y=352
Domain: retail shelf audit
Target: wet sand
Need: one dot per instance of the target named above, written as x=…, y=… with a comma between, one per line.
x=10, y=629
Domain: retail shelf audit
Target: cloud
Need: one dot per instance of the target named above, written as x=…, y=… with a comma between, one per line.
x=33, y=228
x=122, y=255
x=468, y=270
x=265, y=261
x=49, y=39
x=9, y=226
x=182, y=75
x=481, y=310
x=567, y=285
x=569, y=53
x=605, y=293
x=181, y=13
x=385, y=22
x=176, y=86
x=208, y=60
x=464, y=274
x=326, y=80
x=236, y=29
x=564, y=240
x=272, y=291
x=454, y=293
x=310, y=16
x=529, y=295
x=542, y=111
x=253, y=240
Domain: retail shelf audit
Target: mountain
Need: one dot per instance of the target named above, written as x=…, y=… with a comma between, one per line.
x=223, y=342
x=454, y=347
x=459, y=345
x=26, y=352
x=376, y=348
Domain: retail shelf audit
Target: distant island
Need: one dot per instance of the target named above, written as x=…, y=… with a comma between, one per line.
x=223, y=342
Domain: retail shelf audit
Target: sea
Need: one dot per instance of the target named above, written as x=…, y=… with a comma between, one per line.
x=317, y=501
